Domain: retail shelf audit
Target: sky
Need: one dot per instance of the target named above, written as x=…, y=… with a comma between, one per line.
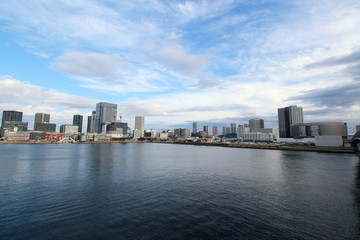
x=178, y=62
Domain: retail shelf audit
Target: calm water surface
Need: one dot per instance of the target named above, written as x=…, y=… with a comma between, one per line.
x=161, y=191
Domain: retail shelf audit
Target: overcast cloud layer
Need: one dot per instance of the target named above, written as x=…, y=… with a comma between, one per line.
x=175, y=62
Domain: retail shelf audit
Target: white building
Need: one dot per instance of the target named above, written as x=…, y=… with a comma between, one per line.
x=139, y=125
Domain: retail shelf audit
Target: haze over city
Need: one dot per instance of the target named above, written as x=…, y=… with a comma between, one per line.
x=176, y=62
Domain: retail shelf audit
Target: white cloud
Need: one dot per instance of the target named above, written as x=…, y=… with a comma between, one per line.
x=87, y=64
x=32, y=97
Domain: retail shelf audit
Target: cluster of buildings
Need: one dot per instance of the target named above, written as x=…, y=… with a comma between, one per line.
x=103, y=125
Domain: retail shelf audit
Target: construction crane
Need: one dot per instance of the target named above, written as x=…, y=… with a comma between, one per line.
x=121, y=113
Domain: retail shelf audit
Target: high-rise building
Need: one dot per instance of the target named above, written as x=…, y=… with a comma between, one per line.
x=233, y=127
x=256, y=123
x=105, y=114
x=288, y=116
x=78, y=121
x=41, y=118
x=91, y=122
x=242, y=130
x=139, y=125
x=194, y=127
x=214, y=131
x=206, y=129
x=14, y=116
x=88, y=127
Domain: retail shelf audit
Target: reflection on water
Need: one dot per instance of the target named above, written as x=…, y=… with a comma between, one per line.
x=157, y=191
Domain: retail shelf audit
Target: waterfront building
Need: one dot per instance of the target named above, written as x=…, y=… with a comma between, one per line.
x=13, y=126
x=140, y=124
x=232, y=127
x=215, y=131
x=357, y=128
x=78, y=121
x=256, y=123
x=242, y=130
x=11, y=116
x=91, y=122
x=194, y=127
x=206, y=129
x=305, y=130
x=151, y=133
x=88, y=127
x=118, y=127
x=46, y=127
x=288, y=116
x=67, y=128
x=137, y=134
x=41, y=118
x=105, y=114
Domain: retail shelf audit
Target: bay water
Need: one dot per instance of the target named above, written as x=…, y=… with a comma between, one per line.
x=169, y=191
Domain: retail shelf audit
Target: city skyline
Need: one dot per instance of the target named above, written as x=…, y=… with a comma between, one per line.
x=209, y=62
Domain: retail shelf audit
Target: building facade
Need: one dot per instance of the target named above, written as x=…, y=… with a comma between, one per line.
x=46, y=127
x=105, y=114
x=288, y=116
x=232, y=127
x=256, y=123
x=206, y=129
x=214, y=131
x=11, y=116
x=41, y=118
x=194, y=127
x=78, y=121
x=67, y=128
x=305, y=130
x=140, y=125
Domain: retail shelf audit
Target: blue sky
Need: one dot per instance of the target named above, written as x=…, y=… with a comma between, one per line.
x=176, y=62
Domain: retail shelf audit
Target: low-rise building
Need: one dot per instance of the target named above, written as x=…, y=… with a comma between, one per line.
x=305, y=130
x=46, y=127
x=13, y=126
x=69, y=129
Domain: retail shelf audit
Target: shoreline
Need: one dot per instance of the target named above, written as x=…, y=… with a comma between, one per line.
x=348, y=150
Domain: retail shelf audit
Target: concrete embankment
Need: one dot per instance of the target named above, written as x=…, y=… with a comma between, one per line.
x=275, y=147
x=231, y=145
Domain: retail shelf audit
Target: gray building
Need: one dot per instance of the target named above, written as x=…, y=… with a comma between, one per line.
x=194, y=127
x=357, y=128
x=91, y=122
x=78, y=121
x=233, y=127
x=46, y=127
x=41, y=118
x=256, y=123
x=13, y=126
x=226, y=130
x=206, y=129
x=215, y=131
x=288, y=116
x=11, y=116
x=67, y=128
x=105, y=114
x=119, y=127
x=242, y=130
x=304, y=130
x=140, y=125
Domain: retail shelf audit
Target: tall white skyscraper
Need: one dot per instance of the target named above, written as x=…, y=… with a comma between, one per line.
x=194, y=127
x=105, y=114
x=139, y=125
